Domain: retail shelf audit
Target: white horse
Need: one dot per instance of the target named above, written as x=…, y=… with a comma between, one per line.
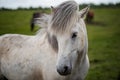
x=57, y=52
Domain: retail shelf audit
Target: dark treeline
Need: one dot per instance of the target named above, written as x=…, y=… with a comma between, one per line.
x=20, y=8
x=110, y=5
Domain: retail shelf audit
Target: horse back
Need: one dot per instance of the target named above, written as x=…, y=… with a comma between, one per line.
x=11, y=41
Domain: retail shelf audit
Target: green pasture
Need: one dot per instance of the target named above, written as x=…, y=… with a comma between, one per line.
x=103, y=35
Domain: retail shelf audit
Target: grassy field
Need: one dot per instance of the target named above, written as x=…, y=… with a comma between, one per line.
x=104, y=45
x=103, y=35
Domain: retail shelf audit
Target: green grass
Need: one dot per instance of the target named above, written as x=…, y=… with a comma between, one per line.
x=15, y=21
x=104, y=39
x=104, y=45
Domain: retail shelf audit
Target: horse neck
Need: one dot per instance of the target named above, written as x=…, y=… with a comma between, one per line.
x=43, y=41
x=40, y=38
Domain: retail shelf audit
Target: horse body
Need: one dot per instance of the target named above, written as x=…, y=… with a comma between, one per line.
x=57, y=52
x=19, y=50
x=19, y=63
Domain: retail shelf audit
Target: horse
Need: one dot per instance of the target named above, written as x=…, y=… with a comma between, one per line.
x=90, y=16
x=35, y=15
x=59, y=50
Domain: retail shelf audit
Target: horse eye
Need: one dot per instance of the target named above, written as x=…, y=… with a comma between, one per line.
x=74, y=35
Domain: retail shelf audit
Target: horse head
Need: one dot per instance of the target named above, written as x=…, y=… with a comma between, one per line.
x=67, y=35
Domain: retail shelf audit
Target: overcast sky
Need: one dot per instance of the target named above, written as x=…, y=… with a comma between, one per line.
x=45, y=3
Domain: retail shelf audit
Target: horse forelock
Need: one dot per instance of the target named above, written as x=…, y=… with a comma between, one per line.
x=61, y=21
x=64, y=17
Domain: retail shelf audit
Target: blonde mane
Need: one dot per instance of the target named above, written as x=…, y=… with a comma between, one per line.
x=64, y=17
x=61, y=21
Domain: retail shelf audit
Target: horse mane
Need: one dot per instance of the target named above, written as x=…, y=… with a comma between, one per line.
x=64, y=17
x=62, y=20
x=43, y=23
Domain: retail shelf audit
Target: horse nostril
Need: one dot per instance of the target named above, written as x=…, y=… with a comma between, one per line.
x=65, y=69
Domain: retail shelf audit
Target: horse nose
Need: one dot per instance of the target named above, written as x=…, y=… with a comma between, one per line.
x=65, y=70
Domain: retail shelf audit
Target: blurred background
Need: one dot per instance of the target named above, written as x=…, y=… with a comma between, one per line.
x=103, y=26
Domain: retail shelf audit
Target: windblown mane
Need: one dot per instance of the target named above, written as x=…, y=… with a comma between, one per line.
x=43, y=23
x=62, y=20
x=64, y=17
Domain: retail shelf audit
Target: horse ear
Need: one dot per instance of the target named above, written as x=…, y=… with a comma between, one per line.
x=53, y=9
x=84, y=12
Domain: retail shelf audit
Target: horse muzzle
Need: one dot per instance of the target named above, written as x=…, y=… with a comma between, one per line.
x=65, y=70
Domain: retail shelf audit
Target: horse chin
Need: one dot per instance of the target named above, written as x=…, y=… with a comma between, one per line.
x=64, y=73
